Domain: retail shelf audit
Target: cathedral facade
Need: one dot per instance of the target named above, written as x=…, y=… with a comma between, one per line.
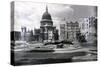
x=48, y=32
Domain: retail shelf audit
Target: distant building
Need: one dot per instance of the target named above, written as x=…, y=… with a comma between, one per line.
x=84, y=27
x=62, y=31
x=37, y=35
x=88, y=27
x=92, y=24
x=26, y=35
x=68, y=30
x=15, y=35
x=71, y=30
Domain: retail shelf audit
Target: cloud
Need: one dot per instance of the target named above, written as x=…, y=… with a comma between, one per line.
x=29, y=14
x=63, y=11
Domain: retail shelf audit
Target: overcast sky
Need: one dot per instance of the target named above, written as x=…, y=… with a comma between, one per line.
x=29, y=14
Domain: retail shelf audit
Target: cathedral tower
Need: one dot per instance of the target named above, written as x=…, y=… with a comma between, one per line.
x=47, y=28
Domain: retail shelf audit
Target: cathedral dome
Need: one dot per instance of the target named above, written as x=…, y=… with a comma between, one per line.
x=46, y=15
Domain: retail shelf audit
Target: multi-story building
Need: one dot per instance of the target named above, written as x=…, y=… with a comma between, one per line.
x=92, y=29
x=62, y=31
x=72, y=30
x=26, y=35
x=68, y=30
x=93, y=25
x=84, y=27
x=37, y=34
x=88, y=27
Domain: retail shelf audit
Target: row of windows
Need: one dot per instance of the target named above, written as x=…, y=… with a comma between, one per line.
x=46, y=23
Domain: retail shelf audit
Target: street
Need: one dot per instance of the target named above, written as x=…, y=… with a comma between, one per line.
x=24, y=56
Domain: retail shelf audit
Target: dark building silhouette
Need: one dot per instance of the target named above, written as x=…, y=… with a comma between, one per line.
x=37, y=34
x=15, y=35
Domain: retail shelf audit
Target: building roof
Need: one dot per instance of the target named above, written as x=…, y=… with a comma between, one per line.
x=46, y=15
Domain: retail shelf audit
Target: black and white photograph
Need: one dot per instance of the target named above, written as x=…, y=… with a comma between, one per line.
x=45, y=33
